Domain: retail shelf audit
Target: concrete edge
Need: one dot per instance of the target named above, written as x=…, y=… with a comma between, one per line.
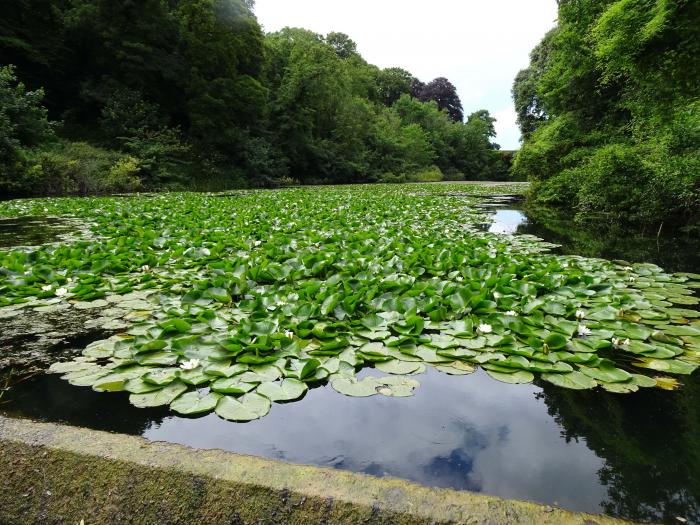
x=61, y=474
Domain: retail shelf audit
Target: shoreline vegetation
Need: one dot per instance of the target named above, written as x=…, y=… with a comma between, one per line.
x=609, y=109
x=100, y=97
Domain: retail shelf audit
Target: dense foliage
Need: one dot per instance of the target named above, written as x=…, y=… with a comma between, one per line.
x=258, y=296
x=610, y=110
x=192, y=93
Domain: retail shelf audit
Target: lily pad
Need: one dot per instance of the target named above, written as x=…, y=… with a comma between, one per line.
x=247, y=408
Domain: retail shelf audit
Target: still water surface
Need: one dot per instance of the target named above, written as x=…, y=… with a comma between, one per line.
x=635, y=456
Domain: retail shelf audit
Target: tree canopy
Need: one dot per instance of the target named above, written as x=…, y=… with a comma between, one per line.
x=192, y=93
x=609, y=109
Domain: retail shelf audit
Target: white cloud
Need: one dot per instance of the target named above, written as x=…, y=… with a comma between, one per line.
x=478, y=45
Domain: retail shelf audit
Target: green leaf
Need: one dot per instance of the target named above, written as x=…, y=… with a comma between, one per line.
x=157, y=398
x=287, y=390
x=400, y=367
x=355, y=388
x=232, y=385
x=192, y=403
x=247, y=408
x=572, y=380
x=606, y=372
x=516, y=377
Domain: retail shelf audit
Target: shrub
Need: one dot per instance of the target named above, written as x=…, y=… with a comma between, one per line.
x=431, y=174
x=79, y=168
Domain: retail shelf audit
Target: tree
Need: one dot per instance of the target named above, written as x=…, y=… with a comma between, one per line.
x=23, y=125
x=609, y=111
x=342, y=44
x=444, y=93
x=483, y=119
x=392, y=83
x=528, y=104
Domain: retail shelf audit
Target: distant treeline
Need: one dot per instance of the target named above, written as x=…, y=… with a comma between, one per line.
x=610, y=111
x=105, y=95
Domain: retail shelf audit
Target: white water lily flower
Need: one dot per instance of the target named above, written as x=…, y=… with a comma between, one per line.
x=288, y=333
x=632, y=279
x=190, y=365
x=616, y=341
x=485, y=328
x=580, y=314
x=145, y=268
x=511, y=313
x=626, y=342
x=47, y=287
x=628, y=268
x=61, y=292
x=584, y=330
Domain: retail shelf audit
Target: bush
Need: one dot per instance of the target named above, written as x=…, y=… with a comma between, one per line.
x=23, y=124
x=431, y=174
x=79, y=168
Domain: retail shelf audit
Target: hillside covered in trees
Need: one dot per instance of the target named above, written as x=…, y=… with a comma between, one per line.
x=609, y=109
x=98, y=95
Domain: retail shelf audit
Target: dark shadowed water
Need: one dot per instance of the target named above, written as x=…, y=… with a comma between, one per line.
x=32, y=231
x=634, y=456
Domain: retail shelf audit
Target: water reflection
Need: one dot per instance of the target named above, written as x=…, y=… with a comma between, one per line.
x=33, y=231
x=673, y=250
x=507, y=221
x=462, y=432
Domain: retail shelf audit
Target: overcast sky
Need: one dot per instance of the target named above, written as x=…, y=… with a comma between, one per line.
x=479, y=45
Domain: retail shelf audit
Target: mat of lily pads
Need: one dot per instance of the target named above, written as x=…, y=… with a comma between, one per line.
x=230, y=303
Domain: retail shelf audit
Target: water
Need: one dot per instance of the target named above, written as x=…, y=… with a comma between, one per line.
x=634, y=456
x=33, y=231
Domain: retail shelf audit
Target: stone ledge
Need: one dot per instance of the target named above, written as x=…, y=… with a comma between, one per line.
x=54, y=474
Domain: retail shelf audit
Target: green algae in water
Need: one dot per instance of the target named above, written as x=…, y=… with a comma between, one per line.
x=255, y=294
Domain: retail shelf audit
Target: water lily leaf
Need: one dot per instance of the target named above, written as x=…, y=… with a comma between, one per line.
x=71, y=366
x=176, y=325
x=218, y=294
x=355, y=388
x=643, y=381
x=546, y=367
x=573, y=380
x=516, y=377
x=680, y=330
x=472, y=344
x=261, y=374
x=667, y=383
x=158, y=359
x=139, y=386
x=232, y=385
x=247, y=408
x=607, y=313
x=192, y=403
x=671, y=366
x=225, y=369
x=157, y=398
x=287, y=390
x=396, y=386
x=401, y=367
x=194, y=377
x=621, y=388
x=606, y=372
x=85, y=377
x=373, y=322
x=458, y=368
x=161, y=376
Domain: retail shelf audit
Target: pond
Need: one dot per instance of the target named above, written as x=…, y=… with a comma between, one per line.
x=634, y=456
